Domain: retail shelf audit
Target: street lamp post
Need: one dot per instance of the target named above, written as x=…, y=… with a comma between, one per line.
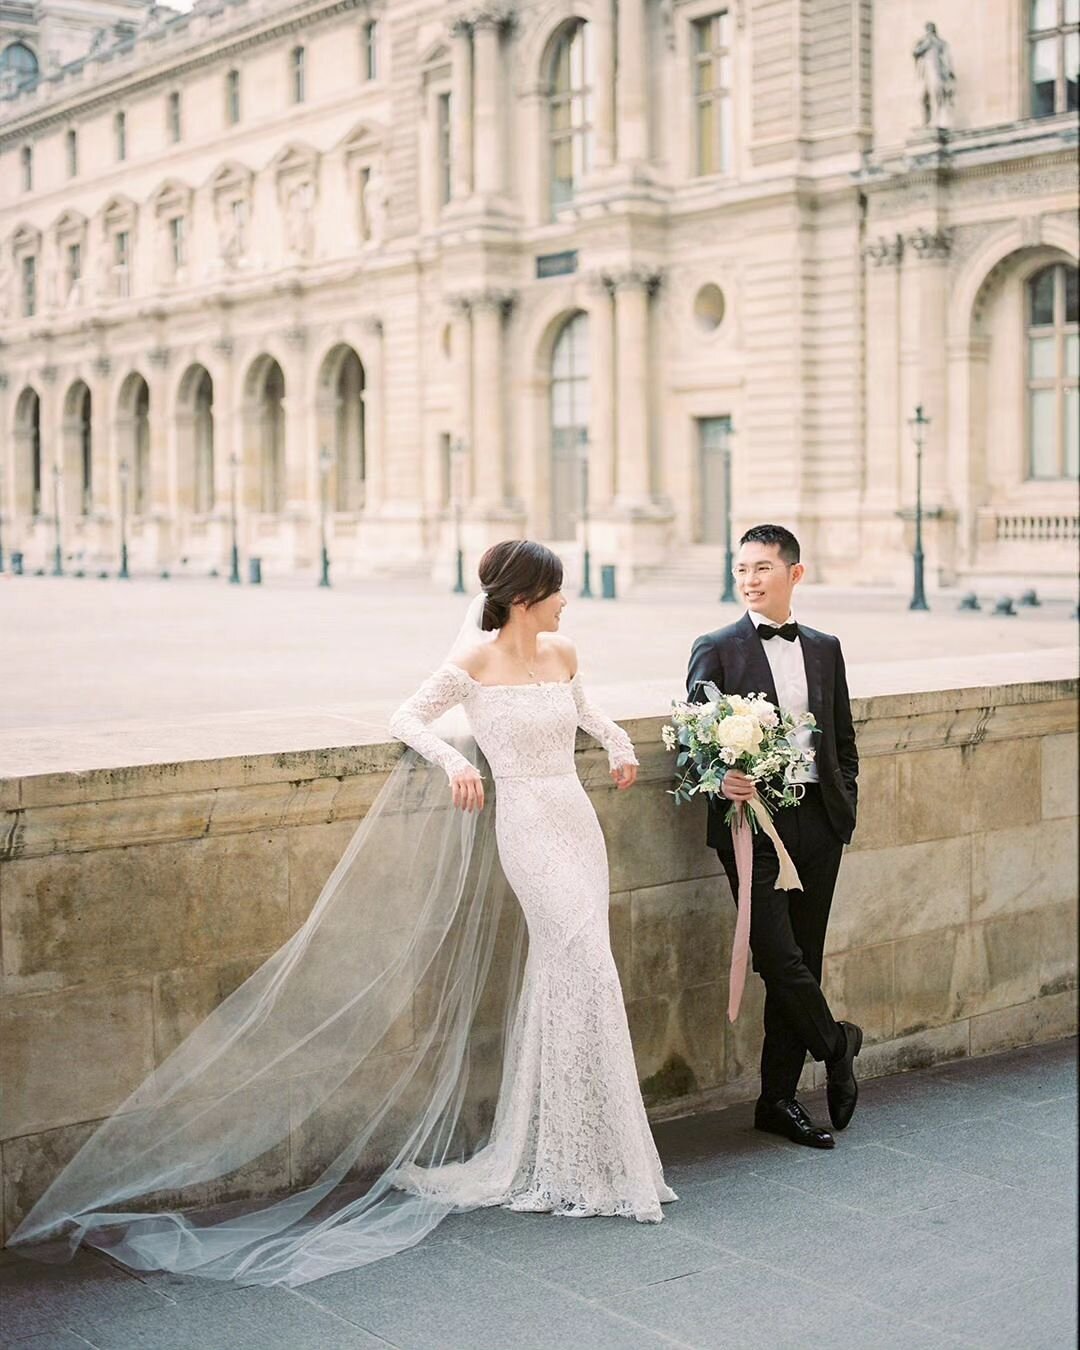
x=58, y=550
x=124, y=471
x=728, y=597
x=918, y=425
x=326, y=463
x=2, y=518
x=234, y=469
x=457, y=467
x=586, y=559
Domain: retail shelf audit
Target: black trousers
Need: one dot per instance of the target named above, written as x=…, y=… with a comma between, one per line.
x=787, y=940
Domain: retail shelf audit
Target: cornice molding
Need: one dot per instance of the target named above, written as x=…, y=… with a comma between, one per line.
x=34, y=121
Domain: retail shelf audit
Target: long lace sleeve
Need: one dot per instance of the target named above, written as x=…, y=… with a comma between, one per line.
x=439, y=692
x=611, y=736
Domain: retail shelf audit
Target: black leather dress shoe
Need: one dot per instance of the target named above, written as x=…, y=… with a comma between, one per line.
x=789, y=1119
x=841, y=1089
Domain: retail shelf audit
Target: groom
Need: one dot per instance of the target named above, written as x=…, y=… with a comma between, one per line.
x=800, y=670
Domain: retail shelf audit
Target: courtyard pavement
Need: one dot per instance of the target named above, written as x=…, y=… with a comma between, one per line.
x=78, y=651
x=945, y=1217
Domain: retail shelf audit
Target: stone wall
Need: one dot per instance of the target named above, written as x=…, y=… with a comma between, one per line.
x=133, y=900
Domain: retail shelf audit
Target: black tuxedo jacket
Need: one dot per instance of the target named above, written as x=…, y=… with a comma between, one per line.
x=734, y=659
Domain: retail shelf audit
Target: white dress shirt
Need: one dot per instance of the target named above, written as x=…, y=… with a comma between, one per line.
x=788, y=668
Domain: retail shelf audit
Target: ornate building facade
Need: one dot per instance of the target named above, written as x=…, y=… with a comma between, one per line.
x=417, y=269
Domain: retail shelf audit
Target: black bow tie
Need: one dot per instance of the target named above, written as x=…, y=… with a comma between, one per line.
x=788, y=631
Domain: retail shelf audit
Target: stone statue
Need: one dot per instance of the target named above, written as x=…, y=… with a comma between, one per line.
x=934, y=68
x=376, y=202
x=232, y=218
x=299, y=208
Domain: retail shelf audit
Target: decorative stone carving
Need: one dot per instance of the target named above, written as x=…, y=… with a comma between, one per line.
x=937, y=78
x=885, y=251
x=376, y=205
x=925, y=244
x=300, y=220
x=638, y=277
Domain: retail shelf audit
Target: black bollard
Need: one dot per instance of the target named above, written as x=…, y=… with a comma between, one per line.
x=255, y=571
x=1005, y=606
x=969, y=601
x=1029, y=598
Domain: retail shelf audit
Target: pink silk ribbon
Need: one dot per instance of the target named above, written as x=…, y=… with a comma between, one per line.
x=787, y=880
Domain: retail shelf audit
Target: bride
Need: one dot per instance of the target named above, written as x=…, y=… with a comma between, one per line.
x=570, y=1134
x=323, y=1116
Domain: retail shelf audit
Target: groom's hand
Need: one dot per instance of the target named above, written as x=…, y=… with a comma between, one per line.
x=736, y=787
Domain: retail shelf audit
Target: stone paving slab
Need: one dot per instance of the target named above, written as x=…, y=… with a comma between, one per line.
x=946, y=1217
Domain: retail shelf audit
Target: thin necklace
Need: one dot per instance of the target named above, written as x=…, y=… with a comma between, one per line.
x=525, y=664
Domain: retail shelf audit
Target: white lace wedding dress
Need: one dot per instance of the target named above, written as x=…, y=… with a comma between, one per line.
x=570, y=1134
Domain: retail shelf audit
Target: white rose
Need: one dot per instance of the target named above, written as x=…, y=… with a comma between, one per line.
x=740, y=707
x=738, y=733
x=765, y=714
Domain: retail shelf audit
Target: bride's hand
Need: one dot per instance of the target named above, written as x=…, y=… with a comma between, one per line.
x=625, y=776
x=467, y=790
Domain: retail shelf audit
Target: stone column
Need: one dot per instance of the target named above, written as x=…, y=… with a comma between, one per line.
x=162, y=468
x=632, y=83
x=488, y=156
x=489, y=451
x=301, y=468
x=884, y=421
x=461, y=419
x=633, y=475
x=603, y=29
x=602, y=397
x=375, y=448
x=461, y=102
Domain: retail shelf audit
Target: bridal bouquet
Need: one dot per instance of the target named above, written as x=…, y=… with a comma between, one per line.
x=744, y=732
x=736, y=731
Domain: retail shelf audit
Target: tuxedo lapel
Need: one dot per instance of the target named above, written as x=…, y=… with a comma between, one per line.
x=815, y=678
x=755, y=674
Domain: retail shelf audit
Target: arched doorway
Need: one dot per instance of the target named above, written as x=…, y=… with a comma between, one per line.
x=79, y=448
x=28, y=465
x=265, y=423
x=133, y=438
x=341, y=415
x=569, y=424
x=195, y=427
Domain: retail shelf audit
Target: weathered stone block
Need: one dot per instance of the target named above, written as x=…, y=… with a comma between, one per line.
x=650, y=840
x=888, y=893
x=1024, y=867
x=313, y=853
x=877, y=820
x=182, y=998
x=32, y=1162
x=1005, y=775
x=743, y=1037
x=72, y=1056
x=141, y=910
x=653, y=1032
x=859, y=986
x=1058, y=942
x=932, y=799
x=1060, y=772
x=620, y=928
x=919, y=1050
x=680, y=934
x=1040, y=1019
x=702, y=1031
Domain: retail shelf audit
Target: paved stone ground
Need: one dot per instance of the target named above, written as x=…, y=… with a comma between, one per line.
x=946, y=1217
x=80, y=651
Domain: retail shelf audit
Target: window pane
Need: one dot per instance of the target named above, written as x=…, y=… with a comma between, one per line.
x=1043, y=76
x=1041, y=298
x=701, y=35
x=1042, y=359
x=1043, y=416
x=1043, y=14
x=1072, y=356
x=704, y=76
x=1072, y=295
x=1072, y=11
x=706, y=155
x=1072, y=62
x=1072, y=433
x=723, y=112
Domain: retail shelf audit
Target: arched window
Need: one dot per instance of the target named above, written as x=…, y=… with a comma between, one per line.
x=570, y=108
x=18, y=59
x=1053, y=365
x=296, y=67
x=569, y=425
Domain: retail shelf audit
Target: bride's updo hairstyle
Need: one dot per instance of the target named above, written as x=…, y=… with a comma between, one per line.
x=515, y=572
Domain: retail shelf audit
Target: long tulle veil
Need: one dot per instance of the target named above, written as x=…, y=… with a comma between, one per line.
x=345, y=1056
